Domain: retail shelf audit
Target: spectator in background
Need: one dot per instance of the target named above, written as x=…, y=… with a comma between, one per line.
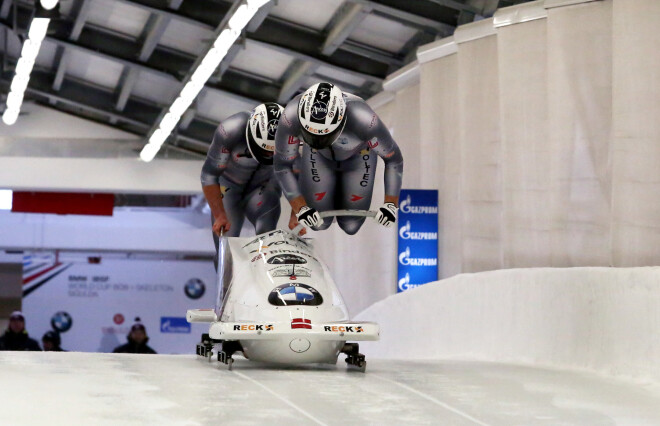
x=51, y=341
x=137, y=341
x=16, y=337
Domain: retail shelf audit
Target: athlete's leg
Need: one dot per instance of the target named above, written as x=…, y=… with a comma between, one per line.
x=318, y=179
x=357, y=184
x=262, y=207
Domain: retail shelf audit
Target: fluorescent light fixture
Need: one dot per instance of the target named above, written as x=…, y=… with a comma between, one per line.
x=200, y=76
x=14, y=100
x=149, y=152
x=10, y=116
x=226, y=39
x=6, y=198
x=38, y=29
x=48, y=4
x=29, y=51
x=241, y=17
x=159, y=137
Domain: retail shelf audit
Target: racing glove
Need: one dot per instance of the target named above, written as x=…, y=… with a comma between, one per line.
x=308, y=216
x=386, y=215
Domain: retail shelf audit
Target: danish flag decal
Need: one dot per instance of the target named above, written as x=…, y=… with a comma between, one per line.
x=301, y=323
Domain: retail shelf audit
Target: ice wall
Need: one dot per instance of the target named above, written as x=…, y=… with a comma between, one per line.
x=603, y=319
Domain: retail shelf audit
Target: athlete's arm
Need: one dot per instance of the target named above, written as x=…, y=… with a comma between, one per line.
x=228, y=134
x=367, y=125
x=286, y=152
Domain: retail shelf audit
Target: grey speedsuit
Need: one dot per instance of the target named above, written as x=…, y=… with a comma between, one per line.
x=249, y=188
x=341, y=176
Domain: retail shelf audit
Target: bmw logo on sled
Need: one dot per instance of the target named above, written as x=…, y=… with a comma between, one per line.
x=278, y=304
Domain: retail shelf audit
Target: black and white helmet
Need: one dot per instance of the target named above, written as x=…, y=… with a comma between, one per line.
x=260, y=131
x=322, y=114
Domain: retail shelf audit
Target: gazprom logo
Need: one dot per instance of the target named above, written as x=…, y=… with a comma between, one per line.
x=174, y=325
x=404, y=283
x=405, y=259
x=405, y=233
x=407, y=207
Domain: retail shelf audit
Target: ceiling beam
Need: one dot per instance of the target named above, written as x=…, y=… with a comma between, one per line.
x=175, y=4
x=5, y=8
x=373, y=53
x=453, y=4
x=153, y=31
x=313, y=60
x=347, y=18
x=298, y=73
x=407, y=18
x=61, y=62
x=126, y=84
x=297, y=40
x=80, y=12
x=218, y=29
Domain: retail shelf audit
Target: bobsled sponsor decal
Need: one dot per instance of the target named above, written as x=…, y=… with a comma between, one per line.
x=288, y=259
x=263, y=237
x=288, y=271
x=295, y=294
x=343, y=328
x=253, y=327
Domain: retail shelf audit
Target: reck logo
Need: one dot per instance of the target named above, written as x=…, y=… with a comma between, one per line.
x=344, y=329
x=253, y=327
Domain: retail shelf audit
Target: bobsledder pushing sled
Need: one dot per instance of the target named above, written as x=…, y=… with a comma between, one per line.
x=277, y=303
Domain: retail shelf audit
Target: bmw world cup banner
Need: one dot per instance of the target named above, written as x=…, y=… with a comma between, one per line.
x=418, y=238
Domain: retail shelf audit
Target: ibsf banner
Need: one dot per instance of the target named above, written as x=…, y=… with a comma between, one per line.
x=93, y=305
x=418, y=238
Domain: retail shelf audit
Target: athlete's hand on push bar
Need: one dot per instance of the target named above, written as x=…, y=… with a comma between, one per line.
x=386, y=215
x=221, y=225
x=293, y=222
x=308, y=216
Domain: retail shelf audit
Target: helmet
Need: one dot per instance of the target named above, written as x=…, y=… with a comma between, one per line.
x=322, y=114
x=260, y=131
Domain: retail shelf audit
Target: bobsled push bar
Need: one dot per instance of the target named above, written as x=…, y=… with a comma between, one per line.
x=335, y=213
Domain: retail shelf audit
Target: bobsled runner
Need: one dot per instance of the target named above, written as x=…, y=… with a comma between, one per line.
x=277, y=303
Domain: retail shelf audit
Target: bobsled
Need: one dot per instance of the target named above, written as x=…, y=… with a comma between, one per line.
x=277, y=303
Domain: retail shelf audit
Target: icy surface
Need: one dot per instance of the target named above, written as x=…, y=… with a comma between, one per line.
x=81, y=388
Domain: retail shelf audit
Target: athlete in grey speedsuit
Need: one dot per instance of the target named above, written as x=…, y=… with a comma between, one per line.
x=342, y=136
x=237, y=176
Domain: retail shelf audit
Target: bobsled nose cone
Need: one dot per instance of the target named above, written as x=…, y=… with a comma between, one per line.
x=299, y=345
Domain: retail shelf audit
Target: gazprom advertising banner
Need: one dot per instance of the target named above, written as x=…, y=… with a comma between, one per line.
x=418, y=238
x=94, y=305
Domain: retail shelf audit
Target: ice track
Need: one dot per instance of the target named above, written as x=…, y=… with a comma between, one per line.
x=81, y=388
